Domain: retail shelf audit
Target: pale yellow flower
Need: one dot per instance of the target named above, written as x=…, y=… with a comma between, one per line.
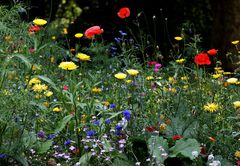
x=132, y=72
x=232, y=80
x=48, y=93
x=83, y=57
x=120, y=76
x=39, y=22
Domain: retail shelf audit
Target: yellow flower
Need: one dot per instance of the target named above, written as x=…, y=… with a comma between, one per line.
x=57, y=109
x=65, y=31
x=39, y=87
x=120, y=76
x=227, y=73
x=149, y=78
x=46, y=104
x=236, y=104
x=129, y=81
x=184, y=78
x=53, y=37
x=78, y=35
x=83, y=57
x=171, y=80
x=178, y=38
x=38, y=96
x=132, y=72
x=185, y=87
x=180, y=61
x=68, y=66
x=48, y=93
x=237, y=154
x=39, y=22
x=34, y=81
x=162, y=127
x=52, y=59
x=96, y=90
x=235, y=42
x=219, y=71
x=106, y=103
x=232, y=80
x=211, y=107
x=172, y=90
x=216, y=76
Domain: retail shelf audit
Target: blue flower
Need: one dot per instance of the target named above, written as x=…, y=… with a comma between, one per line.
x=112, y=106
x=67, y=142
x=117, y=39
x=91, y=133
x=108, y=121
x=51, y=136
x=97, y=122
x=127, y=115
x=2, y=156
x=123, y=33
x=41, y=134
x=118, y=127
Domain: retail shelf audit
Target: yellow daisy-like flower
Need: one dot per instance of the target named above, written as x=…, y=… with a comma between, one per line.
x=178, y=38
x=68, y=66
x=57, y=109
x=236, y=104
x=211, y=107
x=34, y=81
x=83, y=57
x=96, y=90
x=235, y=42
x=237, y=154
x=180, y=61
x=39, y=22
x=39, y=87
x=132, y=72
x=232, y=80
x=78, y=35
x=149, y=78
x=120, y=76
x=215, y=76
x=48, y=93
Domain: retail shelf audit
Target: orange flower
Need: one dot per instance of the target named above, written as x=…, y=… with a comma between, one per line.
x=95, y=30
x=123, y=12
x=212, y=52
x=212, y=139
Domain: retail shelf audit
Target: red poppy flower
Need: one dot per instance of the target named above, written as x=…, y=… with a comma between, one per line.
x=176, y=137
x=150, y=129
x=123, y=12
x=151, y=63
x=65, y=87
x=212, y=52
x=95, y=30
x=33, y=28
x=202, y=59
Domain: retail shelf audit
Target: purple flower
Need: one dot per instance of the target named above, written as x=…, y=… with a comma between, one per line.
x=127, y=115
x=123, y=33
x=67, y=142
x=108, y=121
x=41, y=134
x=91, y=133
x=118, y=127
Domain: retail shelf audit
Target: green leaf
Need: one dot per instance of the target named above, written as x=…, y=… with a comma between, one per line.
x=49, y=81
x=21, y=159
x=24, y=59
x=84, y=160
x=44, y=146
x=185, y=147
x=158, y=146
x=121, y=162
x=62, y=124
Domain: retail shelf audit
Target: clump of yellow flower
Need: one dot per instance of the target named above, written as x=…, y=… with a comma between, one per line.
x=39, y=87
x=215, y=76
x=237, y=154
x=96, y=90
x=162, y=127
x=34, y=81
x=184, y=78
x=132, y=72
x=232, y=80
x=57, y=109
x=149, y=78
x=78, y=35
x=48, y=93
x=235, y=42
x=39, y=22
x=68, y=66
x=83, y=57
x=120, y=76
x=236, y=104
x=180, y=61
x=211, y=107
x=178, y=38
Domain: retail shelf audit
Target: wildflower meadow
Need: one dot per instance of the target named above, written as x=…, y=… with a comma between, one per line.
x=112, y=103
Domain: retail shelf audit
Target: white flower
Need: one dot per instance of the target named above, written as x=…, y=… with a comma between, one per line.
x=77, y=164
x=195, y=154
x=210, y=157
x=137, y=163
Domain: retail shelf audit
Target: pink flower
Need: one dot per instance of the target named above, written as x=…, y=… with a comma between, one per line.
x=65, y=87
x=95, y=30
x=158, y=65
x=156, y=69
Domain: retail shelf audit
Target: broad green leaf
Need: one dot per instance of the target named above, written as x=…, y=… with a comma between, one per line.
x=49, y=81
x=158, y=147
x=185, y=147
x=121, y=162
x=21, y=159
x=84, y=160
x=62, y=124
x=23, y=59
x=44, y=147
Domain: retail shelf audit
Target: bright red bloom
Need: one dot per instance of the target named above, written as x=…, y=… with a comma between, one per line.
x=95, y=30
x=150, y=129
x=176, y=137
x=33, y=28
x=65, y=87
x=212, y=52
x=123, y=12
x=202, y=59
x=151, y=63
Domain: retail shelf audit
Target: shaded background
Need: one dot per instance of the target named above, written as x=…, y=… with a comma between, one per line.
x=217, y=21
